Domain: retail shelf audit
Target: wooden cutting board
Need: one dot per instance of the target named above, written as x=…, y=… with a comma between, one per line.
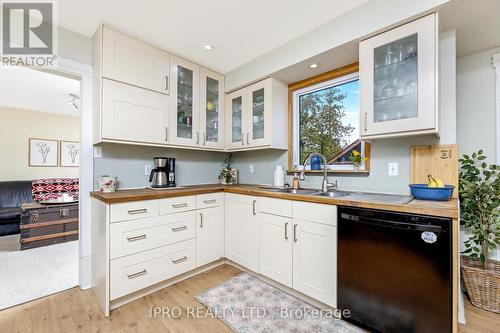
x=440, y=161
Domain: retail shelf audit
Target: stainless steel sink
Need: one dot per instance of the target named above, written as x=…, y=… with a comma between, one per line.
x=332, y=194
x=290, y=190
x=381, y=197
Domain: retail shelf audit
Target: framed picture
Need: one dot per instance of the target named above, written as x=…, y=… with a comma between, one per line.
x=43, y=153
x=70, y=154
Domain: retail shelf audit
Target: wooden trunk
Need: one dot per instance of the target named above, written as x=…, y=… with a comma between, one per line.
x=43, y=225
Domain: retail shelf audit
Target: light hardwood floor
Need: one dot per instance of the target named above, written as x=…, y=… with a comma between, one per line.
x=75, y=310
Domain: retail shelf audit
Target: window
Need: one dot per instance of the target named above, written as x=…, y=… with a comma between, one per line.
x=326, y=120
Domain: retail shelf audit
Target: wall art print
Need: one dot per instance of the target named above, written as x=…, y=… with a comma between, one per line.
x=70, y=154
x=43, y=153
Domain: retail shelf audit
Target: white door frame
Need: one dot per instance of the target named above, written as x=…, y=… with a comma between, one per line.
x=86, y=169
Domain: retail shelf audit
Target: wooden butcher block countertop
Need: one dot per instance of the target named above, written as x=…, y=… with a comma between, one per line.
x=447, y=209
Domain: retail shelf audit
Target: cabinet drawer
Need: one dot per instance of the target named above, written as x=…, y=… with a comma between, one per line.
x=141, y=270
x=145, y=234
x=176, y=205
x=275, y=206
x=133, y=210
x=312, y=212
x=209, y=200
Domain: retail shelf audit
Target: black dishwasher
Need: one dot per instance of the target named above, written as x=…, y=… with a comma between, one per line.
x=394, y=271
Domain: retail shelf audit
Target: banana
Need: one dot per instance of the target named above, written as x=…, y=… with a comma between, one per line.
x=434, y=182
x=431, y=182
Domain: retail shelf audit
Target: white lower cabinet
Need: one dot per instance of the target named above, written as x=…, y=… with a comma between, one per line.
x=208, y=235
x=315, y=260
x=275, y=257
x=242, y=230
x=143, y=269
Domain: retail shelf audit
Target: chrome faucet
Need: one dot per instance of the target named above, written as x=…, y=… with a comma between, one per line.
x=325, y=184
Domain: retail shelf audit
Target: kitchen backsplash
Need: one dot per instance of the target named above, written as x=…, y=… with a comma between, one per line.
x=382, y=152
x=127, y=163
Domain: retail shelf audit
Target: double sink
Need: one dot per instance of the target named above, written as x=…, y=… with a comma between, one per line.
x=350, y=195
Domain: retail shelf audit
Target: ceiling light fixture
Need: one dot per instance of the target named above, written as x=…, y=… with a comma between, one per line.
x=314, y=65
x=75, y=99
x=208, y=47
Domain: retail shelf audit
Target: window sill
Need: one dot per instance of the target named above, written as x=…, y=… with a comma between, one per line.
x=353, y=173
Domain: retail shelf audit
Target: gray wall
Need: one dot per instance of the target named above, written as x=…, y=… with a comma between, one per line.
x=382, y=152
x=476, y=104
x=127, y=163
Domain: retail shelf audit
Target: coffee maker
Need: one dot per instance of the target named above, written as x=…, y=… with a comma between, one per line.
x=163, y=175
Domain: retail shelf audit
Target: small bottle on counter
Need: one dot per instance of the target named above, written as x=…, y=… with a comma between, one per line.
x=295, y=181
x=279, y=176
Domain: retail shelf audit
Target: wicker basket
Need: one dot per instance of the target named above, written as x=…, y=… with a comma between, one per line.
x=482, y=285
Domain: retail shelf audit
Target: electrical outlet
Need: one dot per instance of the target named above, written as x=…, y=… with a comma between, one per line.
x=250, y=168
x=393, y=169
x=147, y=169
x=97, y=152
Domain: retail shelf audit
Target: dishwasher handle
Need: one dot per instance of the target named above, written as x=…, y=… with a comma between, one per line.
x=391, y=224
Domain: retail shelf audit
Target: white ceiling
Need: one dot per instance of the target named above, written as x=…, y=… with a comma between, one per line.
x=477, y=23
x=29, y=89
x=239, y=30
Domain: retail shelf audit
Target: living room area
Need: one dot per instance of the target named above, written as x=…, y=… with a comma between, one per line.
x=39, y=183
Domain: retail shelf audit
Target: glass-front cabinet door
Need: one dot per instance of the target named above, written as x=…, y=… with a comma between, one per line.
x=258, y=132
x=212, y=109
x=185, y=116
x=398, y=80
x=235, y=116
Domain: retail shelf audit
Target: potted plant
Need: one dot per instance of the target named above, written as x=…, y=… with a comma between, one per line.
x=227, y=174
x=479, y=190
x=356, y=159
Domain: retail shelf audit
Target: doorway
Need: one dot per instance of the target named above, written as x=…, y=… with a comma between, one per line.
x=39, y=183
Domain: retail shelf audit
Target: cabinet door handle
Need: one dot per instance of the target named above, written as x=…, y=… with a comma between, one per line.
x=179, y=228
x=253, y=207
x=166, y=133
x=201, y=220
x=166, y=82
x=248, y=138
x=197, y=138
x=137, y=211
x=136, y=238
x=178, y=261
x=286, y=231
x=131, y=276
x=242, y=139
x=209, y=201
x=204, y=138
x=366, y=120
x=182, y=205
x=295, y=233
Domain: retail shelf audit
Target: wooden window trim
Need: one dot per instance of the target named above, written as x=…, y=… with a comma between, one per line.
x=327, y=76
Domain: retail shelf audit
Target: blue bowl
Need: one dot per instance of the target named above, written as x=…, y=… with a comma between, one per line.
x=424, y=192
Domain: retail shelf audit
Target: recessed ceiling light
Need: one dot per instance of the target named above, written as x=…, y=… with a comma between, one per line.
x=314, y=65
x=208, y=47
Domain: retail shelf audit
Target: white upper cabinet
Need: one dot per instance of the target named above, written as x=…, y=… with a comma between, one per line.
x=398, y=80
x=132, y=114
x=185, y=101
x=211, y=109
x=131, y=61
x=257, y=116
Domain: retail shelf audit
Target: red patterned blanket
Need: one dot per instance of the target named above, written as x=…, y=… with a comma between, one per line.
x=53, y=188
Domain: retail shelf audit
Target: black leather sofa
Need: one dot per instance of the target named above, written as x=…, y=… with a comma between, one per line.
x=12, y=195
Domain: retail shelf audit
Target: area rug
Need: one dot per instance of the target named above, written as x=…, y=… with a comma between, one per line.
x=248, y=304
x=34, y=273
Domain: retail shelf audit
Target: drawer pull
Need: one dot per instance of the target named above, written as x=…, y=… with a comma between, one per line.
x=178, y=261
x=136, y=238
x=137, y=211
x=133, y=276
x=182, y=205
x=209, y=201
x=179, y=228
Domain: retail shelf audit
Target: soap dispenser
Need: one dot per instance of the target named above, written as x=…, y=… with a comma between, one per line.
x=295, y=181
